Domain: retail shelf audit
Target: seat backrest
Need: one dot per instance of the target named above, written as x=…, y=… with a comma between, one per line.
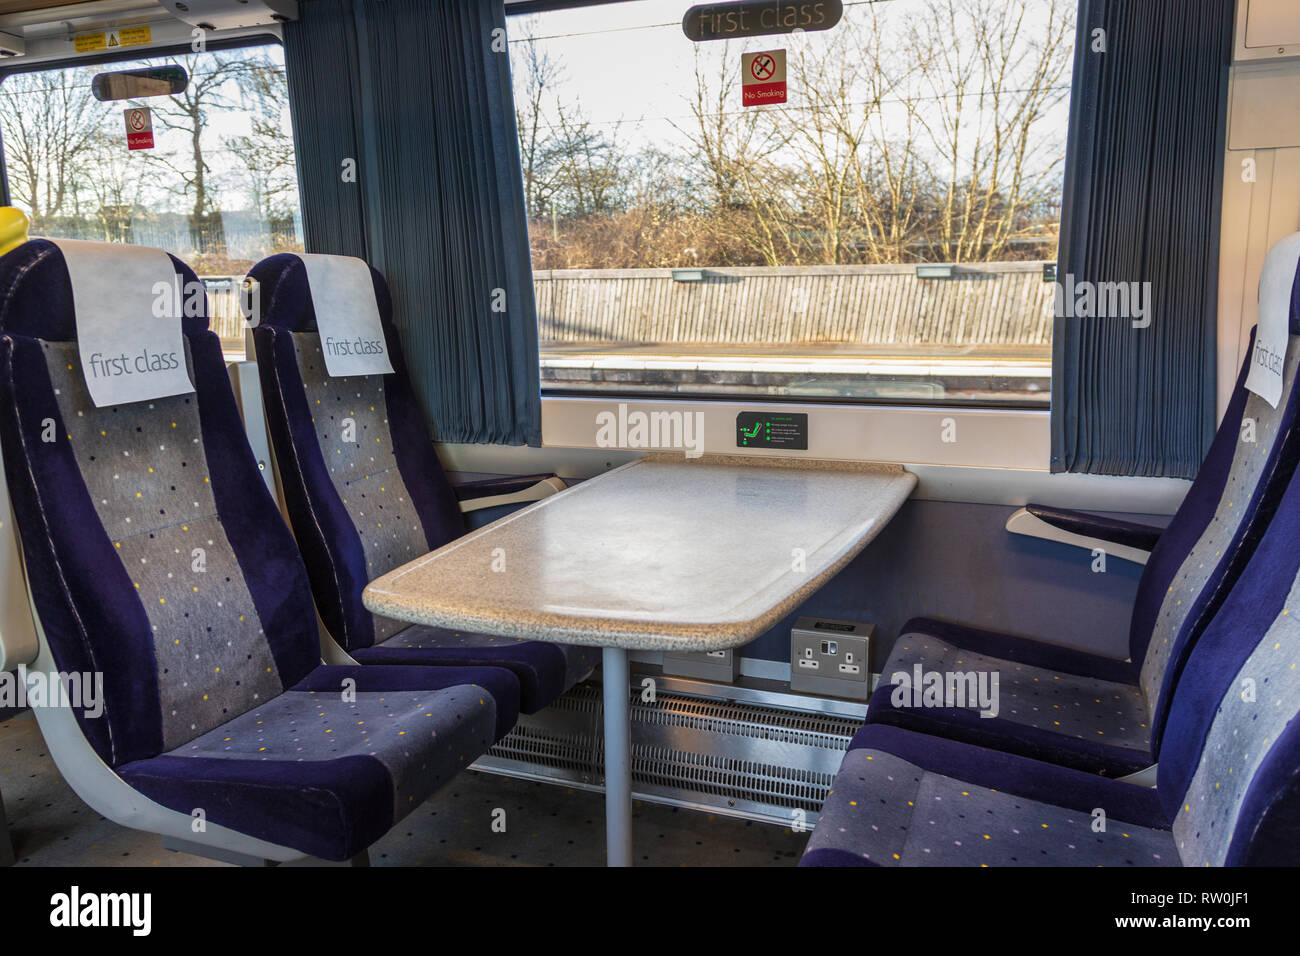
x=1229, y=763
x=1215, y=530
x=362, y=499
x=154, y=551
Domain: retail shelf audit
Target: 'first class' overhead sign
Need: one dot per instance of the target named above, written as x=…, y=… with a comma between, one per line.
x=759, y=18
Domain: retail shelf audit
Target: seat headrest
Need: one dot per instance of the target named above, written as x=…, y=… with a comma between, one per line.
x=284, y=296
x=36, y=294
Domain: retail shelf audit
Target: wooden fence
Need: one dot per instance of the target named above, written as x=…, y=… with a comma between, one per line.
x=997, y=304
x=1004, y=305
x=224, y=314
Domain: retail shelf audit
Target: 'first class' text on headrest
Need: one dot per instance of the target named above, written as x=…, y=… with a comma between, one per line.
x=357, y=346
x=145, y=362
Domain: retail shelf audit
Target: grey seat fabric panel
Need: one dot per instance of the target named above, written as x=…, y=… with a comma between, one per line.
x=891, y=812
x=350, y=415
x=151, y=490
x=1083, y=708
x=1248, y=462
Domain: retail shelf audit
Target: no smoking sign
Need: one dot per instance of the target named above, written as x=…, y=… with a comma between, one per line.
x=139, y=128
x=762, y=77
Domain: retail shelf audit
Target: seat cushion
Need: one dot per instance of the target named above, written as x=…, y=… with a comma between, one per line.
x=331, y=764
x=907, y=799
x=1076, y=717
x=544, y=670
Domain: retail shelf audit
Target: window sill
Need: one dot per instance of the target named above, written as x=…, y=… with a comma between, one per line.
x=913, y=435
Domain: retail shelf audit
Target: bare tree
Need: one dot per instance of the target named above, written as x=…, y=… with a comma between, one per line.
x=991, y=80
x=885, y=179
x=542, y=76
x=914, y=132
x=214, y=84
x=736, y=148
x=266, y=152
x=50, y=122
x=829, y=142
x=588, y=164
x=113, y=177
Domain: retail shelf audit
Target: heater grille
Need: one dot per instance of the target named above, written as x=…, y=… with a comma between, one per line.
x=747, y=720
x=757, y=760
x=733, y=780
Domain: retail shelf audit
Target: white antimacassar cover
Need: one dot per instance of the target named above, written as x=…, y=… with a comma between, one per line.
x=347, y=315
x=128, y=321
x=1273, y=329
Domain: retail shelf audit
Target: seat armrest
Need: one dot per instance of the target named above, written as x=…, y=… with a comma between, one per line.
x=1131, y=534
x=504, y=485
x=511, y=489
x=1129, y=540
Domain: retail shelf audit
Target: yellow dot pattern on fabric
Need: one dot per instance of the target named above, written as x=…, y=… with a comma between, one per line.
x=1077, y=707
x=421, y=737
x=145, y=470
x=1258, y=703
x=885, y=809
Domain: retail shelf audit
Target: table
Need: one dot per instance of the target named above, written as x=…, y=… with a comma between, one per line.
x=664, y=553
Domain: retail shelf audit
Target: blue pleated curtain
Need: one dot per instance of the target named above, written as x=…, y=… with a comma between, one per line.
x=1143, y=186
x=417, y=95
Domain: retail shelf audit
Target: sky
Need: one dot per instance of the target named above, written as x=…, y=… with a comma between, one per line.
x=633, y=68
x=629, y=65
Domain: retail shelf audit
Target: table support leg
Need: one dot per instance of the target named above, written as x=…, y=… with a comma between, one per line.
x=618, y=758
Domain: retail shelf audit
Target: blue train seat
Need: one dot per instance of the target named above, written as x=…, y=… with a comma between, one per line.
x=1228, y=780
x=1097, y=713
x=157, y=559
x=363, y=505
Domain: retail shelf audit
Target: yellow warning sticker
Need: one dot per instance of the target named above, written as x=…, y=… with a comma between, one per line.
x=112, y=39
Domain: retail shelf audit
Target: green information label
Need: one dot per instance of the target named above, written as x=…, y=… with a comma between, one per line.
x=772, y=430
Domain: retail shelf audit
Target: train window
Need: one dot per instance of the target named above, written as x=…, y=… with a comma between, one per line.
x=880, y=226
x=207, y=173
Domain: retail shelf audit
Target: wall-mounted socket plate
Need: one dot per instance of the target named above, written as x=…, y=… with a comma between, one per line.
x=721, y=666
x=830, y=657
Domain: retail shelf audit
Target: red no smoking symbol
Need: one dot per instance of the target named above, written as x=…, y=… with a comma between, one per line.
x=762, y=66
x=137, y=120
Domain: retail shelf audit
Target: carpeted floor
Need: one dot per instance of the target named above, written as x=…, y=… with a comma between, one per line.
x=545, y=825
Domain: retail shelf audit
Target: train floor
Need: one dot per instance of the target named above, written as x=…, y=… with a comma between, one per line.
x=544, y=825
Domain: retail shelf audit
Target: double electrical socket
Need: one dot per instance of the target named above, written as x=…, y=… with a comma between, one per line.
x=830, y=657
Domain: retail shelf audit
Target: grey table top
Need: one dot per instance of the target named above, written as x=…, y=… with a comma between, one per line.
x=662, y=553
